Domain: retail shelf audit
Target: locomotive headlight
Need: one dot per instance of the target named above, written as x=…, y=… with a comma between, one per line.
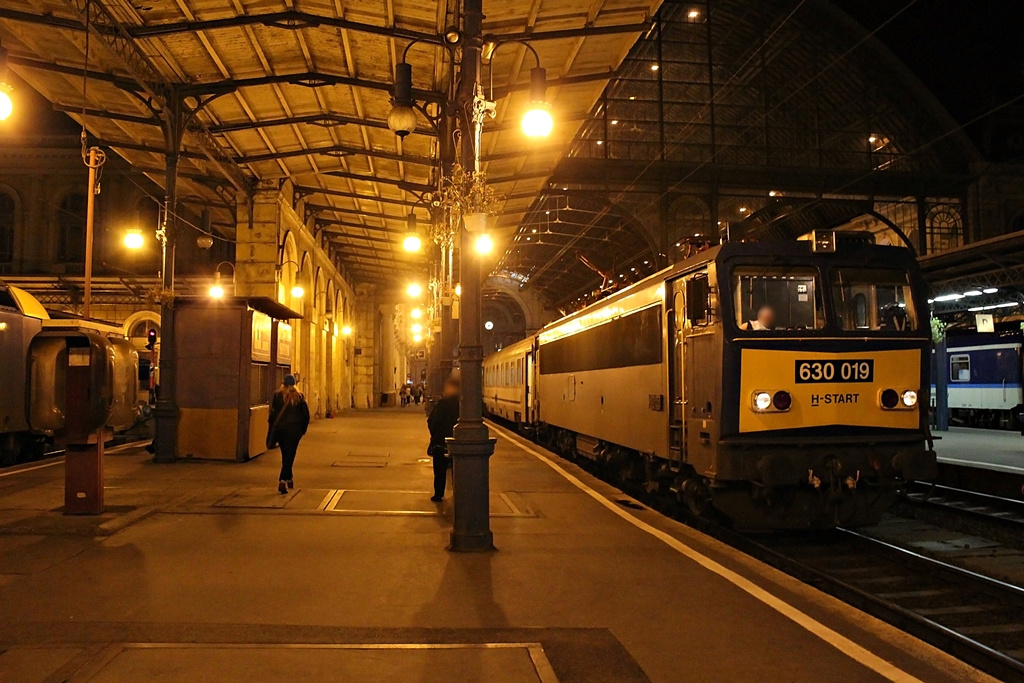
x=762, y=401
x=909, y=398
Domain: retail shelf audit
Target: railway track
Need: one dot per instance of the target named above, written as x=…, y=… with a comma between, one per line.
x=53, y=456
x=974, y=617
x=977, y=619
x=1005, y=512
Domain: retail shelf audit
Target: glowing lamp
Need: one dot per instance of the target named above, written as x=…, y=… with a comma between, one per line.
x=417, y=328
x=133, y=239
x=537, y=122
x=6, y=105
x=346, y=331
x=414, y=290
x=762, y=401
x=412, y=242
x=217, y=290
x=484, y=244
x=416, y=314
x=417, y=338
x=298, y=292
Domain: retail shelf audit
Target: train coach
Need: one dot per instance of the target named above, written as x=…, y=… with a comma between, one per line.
x=984, y=378
x=38, y=356
x=774, y=383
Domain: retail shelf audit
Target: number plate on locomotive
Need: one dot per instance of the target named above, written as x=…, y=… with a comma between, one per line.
x=814, y=371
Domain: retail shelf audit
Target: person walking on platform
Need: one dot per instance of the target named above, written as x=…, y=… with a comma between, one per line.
x=289, y=419
x=441, y=422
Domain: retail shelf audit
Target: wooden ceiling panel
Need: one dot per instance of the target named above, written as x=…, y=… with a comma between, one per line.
x=239, y=46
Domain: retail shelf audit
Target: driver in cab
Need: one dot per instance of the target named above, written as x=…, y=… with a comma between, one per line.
x=764, y=321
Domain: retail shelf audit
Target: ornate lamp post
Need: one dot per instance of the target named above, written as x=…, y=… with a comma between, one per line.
x=471, y=446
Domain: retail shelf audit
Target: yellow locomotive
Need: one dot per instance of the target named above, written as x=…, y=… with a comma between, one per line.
x=777, y=383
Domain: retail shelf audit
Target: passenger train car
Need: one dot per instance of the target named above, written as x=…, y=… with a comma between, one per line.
x=33, y=390
x=21, y=319
x=985, y=372
x=773, y=382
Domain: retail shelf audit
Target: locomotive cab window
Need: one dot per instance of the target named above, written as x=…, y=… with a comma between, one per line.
x=873, y=299
x=777, y=298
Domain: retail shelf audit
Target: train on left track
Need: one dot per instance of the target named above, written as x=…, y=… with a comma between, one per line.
x=30, y=382
x=780, y=384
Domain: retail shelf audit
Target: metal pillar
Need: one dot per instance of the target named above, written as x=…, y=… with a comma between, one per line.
x=941, y=387
x=471, y=446
x=94, y=160
x=165, y=442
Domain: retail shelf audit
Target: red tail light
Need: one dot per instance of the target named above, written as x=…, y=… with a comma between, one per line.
x=782, y=400
x=890, y=399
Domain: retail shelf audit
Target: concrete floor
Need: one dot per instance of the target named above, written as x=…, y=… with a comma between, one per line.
x=201, y=571
x=986, y=448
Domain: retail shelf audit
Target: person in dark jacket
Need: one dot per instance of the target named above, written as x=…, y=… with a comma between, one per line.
x=441, y=422
x=289, y=419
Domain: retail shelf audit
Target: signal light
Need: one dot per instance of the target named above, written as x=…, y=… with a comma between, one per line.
x=151, y=339
x=909, y=398
x=890, y=399
x=782, y=400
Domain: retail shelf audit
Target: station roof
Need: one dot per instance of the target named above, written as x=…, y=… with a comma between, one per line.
x=729, y=107
x=995, y=264
x=303, y=90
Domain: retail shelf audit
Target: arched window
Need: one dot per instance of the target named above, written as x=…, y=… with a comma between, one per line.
x=6, y=228
x=71, y=228
x=944, y=229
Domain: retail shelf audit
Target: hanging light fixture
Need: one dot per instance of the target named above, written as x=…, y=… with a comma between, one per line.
x=402, y=119
x=412, y=242
x=133, y=239
x=217, y=291
x=537, y=122
x=6, y=105
x=484, y=244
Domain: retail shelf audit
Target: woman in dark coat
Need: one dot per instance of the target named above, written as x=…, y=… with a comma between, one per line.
x=289, y=419
x=441, y=422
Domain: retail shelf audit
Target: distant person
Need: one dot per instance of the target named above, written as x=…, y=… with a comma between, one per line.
x=417, y=393
x=289, y=419
x=441, y=422
x=764, y=321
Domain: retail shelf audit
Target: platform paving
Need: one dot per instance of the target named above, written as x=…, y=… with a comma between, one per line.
x=985, y=448
x=201, y=571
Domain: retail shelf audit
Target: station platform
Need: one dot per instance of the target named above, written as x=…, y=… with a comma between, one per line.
x=202, y=571
x=990, y=449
